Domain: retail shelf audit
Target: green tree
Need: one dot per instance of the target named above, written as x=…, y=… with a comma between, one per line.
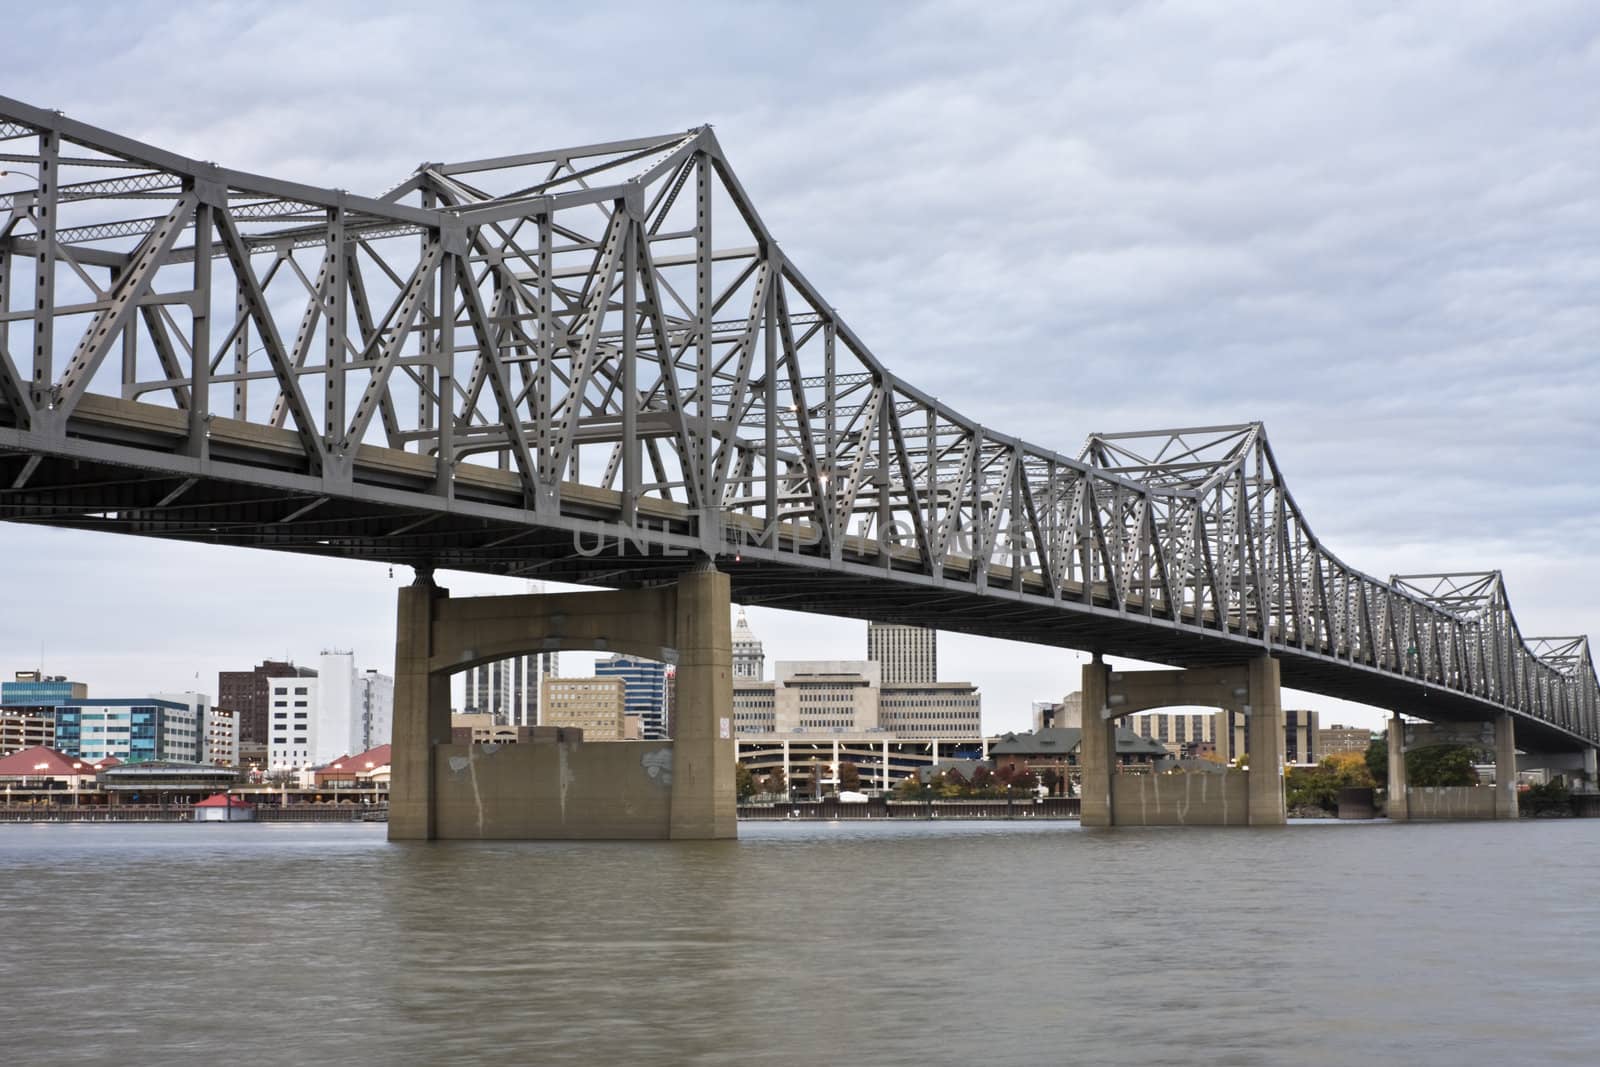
x=1440, y=765
x=1549, y=799
x=744, y=782
x=1378, y=758
x=849, y=777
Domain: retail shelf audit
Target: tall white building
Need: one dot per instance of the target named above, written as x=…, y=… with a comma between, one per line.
x=907, y=655
x=313, y=721
x=749, y=656
x=219, y=737
x=508, y=689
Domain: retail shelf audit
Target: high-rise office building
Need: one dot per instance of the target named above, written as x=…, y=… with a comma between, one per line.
x=36, y=690
x=337, y=712
x=646, y=695
x=508, y=689
x=749, y=656
x=247, y=692
x=907, y=655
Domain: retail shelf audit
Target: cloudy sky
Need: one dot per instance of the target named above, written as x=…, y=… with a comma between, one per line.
x=1373, y=226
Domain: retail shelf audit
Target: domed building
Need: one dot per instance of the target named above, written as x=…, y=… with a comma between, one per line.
x=749, y=658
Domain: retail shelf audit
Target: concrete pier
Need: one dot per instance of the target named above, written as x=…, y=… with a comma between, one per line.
x=1505, y=768
x=679, y=789
x=1397, y=797
x=1251, y=689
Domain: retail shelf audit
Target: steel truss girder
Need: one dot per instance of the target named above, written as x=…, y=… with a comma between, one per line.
x=614, y=322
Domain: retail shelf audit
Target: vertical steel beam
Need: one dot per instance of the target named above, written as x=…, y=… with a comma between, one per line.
x=444, y=356
x=630, y=370
x=769, y=390
x=335, y=328
x=200, y=337
x=241, y=354
x=44, y=285
x=704, y=310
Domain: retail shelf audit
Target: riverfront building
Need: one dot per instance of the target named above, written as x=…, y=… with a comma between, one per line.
x=131, y=730
x=597, y=706
x=645, y=683
x=20, y=729
x=880, y=761
x=848, y=696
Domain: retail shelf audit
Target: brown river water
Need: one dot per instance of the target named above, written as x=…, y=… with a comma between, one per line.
x=853, y=943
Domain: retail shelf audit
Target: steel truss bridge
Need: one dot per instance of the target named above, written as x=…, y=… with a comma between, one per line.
x=586, y=364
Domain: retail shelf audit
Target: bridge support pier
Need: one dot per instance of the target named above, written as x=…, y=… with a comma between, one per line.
x=1264, y=728
x=1097, y=749
x=682, y=789
x=421, y=713
x=703, y=753
x=1591, y=770
x=1395, y=795
x=1228, y=798
x=1505, y=768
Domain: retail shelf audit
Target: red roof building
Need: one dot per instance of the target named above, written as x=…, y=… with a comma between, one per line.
x=221, y=807
x=43, y=762
x=363, y=768
x=223, y=800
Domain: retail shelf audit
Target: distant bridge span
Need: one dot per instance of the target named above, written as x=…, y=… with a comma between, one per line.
x=590, y=364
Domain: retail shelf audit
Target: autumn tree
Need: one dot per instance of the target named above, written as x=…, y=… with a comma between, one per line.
x=849, y=777
x=777, y=781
